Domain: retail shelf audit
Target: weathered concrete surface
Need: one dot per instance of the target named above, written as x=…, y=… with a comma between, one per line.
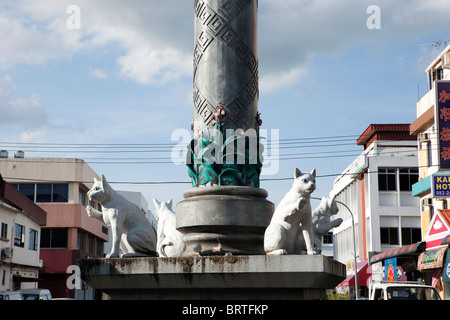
x=231, y=277
x=233, y=216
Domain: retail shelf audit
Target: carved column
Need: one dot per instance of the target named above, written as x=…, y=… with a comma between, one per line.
x=226, y=61
x=226, y=208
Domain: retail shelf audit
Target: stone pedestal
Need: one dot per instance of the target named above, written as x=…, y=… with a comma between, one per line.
x=232, y=217
x=213, y=278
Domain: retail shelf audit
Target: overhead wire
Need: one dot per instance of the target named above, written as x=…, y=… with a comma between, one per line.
x=108, y=148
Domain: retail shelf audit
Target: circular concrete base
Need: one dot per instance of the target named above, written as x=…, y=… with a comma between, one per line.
x=231, y=217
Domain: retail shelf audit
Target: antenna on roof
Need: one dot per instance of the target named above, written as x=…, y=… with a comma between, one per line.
x=436, y=44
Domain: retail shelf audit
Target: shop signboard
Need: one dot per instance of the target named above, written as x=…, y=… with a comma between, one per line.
x=431, y=259
x=443, y=122
x=390, y=269
x=440, y=185
x=446, y=270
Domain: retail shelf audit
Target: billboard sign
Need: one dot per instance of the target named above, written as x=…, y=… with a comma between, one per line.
x=443, y=122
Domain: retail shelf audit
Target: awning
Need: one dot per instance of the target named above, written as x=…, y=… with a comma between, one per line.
x=412, y=248
x=363, y=275
x=446, y=240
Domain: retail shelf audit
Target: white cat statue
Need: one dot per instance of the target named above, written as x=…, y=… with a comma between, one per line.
x=124, y=218
x=169, y=240
x=292, y=219
x=321, y=219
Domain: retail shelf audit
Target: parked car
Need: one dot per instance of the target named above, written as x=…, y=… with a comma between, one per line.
x=402, y=290
x=11, y=295
x=36, y=294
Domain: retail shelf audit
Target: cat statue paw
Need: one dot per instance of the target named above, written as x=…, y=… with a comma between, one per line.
x=169, y=240
x=292, y=220
x=131, y=231
x=321, y=219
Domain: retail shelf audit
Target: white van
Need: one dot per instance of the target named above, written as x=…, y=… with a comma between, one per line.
x=10, y=295
x=36, y=294
x=402, y=290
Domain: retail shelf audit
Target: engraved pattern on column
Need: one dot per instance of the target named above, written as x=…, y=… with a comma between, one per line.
x=216, y=26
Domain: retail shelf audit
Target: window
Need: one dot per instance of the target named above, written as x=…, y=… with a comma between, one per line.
x=389, y=236
x=90, y=244
x=81, y=197
x=411, y=235
x=60, y=192
x=98, y=247
x=328, y=238
x=80, y=240
x=27, y=189
x=19, y=235
x=33, y=242
x=4, y=231
x=44, y=192
x=407, y=178
x=386, y=180
x=55, y=238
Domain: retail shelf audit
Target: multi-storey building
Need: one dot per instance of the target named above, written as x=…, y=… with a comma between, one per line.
x=21, y=221
x=376, y=188
x=59, y=186
x=432, y=128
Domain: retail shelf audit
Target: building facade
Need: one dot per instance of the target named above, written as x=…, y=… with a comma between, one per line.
x=21, y=221
x=434, y=170
x=376, y=187
x=59, y=186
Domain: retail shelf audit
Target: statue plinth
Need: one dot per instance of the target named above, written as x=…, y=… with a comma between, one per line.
x=206, y=278
x=232, y=218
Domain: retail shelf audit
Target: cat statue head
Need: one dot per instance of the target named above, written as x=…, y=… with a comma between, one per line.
x=304, y=183
x=163, y=208
x=100, y=191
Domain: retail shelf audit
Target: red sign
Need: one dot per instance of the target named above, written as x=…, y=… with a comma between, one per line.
x=439, y=228
x=443, y=122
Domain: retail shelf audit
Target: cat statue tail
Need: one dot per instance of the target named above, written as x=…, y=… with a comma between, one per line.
x=162, y=247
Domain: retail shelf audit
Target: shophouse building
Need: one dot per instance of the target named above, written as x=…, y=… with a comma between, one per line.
x=432, y=129
x=21, y=221
x=376, y=188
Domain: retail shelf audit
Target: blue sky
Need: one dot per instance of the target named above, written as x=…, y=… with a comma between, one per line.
x=125, y=77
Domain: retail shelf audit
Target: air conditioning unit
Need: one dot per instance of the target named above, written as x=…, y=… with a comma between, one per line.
x=427, y=202
x=19, y=154
x=7, y=253
x=3, y=154
x=446, y=60
x=425, y=136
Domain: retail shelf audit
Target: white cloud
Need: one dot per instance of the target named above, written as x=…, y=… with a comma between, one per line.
x=277, y=80
x=98, y=73
x=154, y=39
x=27, y=113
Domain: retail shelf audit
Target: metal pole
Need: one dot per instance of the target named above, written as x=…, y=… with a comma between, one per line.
x=354, y=249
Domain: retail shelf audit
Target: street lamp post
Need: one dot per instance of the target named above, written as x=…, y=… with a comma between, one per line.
x=354, y=249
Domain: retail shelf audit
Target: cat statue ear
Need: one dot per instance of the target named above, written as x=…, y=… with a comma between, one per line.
x=169, y=204
x=105, y=184
x=298, y=173
x=157, y=204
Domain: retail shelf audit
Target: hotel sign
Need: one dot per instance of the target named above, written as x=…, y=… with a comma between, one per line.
x=440, y=185
x=443, y=122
